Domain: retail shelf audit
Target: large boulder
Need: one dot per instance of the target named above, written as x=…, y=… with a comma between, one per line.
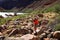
x=56, y=34
x=27, y=37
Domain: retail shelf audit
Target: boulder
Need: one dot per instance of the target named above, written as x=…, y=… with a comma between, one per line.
x=56, y=34
x=27, y=37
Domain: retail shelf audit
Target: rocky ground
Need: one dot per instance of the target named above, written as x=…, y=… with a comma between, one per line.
x=23, y=28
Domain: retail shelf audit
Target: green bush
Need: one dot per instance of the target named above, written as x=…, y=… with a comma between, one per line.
x=54, y=8
x=57, y=9
x=57, y=27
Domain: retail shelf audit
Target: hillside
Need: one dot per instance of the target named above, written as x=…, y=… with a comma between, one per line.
x=39, y=6
x=34, y=5
x=22, y=26
x=40, y=20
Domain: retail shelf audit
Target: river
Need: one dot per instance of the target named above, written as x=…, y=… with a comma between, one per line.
x=3, y=13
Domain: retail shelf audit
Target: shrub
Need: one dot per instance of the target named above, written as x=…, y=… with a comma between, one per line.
x=57, y=27
x=57, y=9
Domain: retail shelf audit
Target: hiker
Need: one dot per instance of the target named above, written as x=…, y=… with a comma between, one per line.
x=36, y=24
